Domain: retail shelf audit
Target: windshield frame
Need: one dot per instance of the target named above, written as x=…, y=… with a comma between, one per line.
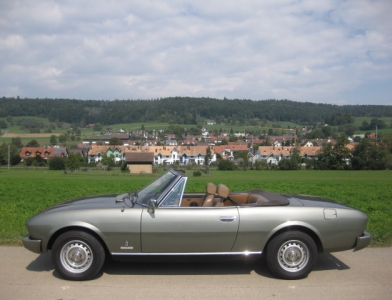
x=158, y=188
x=180, y=185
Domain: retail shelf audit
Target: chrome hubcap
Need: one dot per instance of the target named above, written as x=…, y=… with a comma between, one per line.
x=76, y=256
x=293, y=256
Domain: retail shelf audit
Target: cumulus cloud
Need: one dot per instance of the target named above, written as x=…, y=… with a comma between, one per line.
x=328, y=51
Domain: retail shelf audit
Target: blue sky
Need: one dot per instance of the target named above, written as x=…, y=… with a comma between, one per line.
x=337, y=52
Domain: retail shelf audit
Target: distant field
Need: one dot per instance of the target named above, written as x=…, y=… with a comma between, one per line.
x=15, y=131
x=29, y=135
x=24, y=192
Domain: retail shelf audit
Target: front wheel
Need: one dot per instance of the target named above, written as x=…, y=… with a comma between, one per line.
x=77, y=255
x=291, y=255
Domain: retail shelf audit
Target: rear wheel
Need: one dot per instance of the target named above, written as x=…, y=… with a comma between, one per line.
x=291, y=255
x=77, y=255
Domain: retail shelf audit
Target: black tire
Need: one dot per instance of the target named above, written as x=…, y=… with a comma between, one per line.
x=291, y=255
x=77, y=255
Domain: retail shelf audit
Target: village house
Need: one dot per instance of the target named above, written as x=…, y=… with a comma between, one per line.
x=44, y=152
x=274, y=154
x=227, y=151
x=139, y=162
x=161, y=154
x=96, y=152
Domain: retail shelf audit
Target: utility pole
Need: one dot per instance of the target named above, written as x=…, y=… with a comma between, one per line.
x=9, y=155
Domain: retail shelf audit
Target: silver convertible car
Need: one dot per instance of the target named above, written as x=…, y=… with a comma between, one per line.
x=161, y=220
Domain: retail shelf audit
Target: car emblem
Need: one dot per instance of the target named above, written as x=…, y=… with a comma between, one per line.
x=126, y=243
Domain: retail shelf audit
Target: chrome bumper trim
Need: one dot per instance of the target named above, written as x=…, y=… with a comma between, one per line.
x=363, y=241
x=32, y=245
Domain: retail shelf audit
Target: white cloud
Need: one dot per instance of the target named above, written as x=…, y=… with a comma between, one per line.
x=286, y=49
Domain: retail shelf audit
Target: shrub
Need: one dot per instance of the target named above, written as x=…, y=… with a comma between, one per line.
x=226, y=165
x=56, y=163
x=197, y=173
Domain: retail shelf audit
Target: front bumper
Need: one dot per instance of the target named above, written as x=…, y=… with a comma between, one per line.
x=363, y=241
x=32, y=245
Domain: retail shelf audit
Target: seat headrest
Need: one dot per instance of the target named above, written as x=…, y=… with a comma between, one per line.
x=211, y=188
x=223, y=191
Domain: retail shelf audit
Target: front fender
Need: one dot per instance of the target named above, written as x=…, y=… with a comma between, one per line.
x=57, y=230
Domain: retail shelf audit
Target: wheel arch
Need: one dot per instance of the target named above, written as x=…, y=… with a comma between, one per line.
x=297, y=227
x=62, y=230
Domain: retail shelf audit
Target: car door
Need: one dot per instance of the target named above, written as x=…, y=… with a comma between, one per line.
x=189, y=230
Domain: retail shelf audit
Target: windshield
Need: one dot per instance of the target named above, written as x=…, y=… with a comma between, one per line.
x=155, y=189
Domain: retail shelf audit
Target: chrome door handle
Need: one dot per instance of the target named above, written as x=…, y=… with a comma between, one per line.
x=227, y=219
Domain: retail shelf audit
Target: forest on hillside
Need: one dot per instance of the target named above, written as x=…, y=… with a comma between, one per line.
x=183, y=110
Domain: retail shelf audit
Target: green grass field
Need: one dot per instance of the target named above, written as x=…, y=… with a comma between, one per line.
x=24, y=192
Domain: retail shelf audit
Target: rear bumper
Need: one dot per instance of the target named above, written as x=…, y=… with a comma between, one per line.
x=363, y=241
x=32, y=245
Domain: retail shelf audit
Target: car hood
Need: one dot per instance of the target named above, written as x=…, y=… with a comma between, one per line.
x=100, y=201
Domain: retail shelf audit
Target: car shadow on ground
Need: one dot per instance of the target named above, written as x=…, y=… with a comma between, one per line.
x=43, y=263
x=164, y=266
x=325, y=262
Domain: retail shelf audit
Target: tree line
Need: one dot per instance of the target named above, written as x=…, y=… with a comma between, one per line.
x=186, y=110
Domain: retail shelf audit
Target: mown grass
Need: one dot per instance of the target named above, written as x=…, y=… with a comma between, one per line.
x=24, y=192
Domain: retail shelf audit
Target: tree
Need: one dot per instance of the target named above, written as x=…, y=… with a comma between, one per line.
x=367, y=155
x=38, y=161
x=377, y=123
x=348, y=129
x=14, y=154
x=233, y=138
x=374, y=123
x=261, y=164
x=63, y=138
x=3, y=153
x=56, y=163
x=53, y=140
x=242, y=158
x=268, y=141
x=208, y=156
x=115, y=141
x=72, y=162
x=294, y=163
x=97, y=127
x=3, y=124
x=339, y=119
x=334, y=157
x=32, y=143
x=17, y=141
x=341, y=152
x=365, y=125
x=295, y=159
x=224, y=142
x=108, y=160
x=285, y=164
x=226, y=165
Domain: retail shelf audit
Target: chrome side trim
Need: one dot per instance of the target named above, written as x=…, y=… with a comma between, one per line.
x=188, y=254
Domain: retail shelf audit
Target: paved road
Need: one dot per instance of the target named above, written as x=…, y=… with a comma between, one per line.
x=366, y=274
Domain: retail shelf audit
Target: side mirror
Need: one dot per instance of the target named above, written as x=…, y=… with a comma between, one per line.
x=152, y=206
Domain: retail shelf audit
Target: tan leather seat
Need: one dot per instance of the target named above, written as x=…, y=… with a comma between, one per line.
x=208, y=198
x=223, y=191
